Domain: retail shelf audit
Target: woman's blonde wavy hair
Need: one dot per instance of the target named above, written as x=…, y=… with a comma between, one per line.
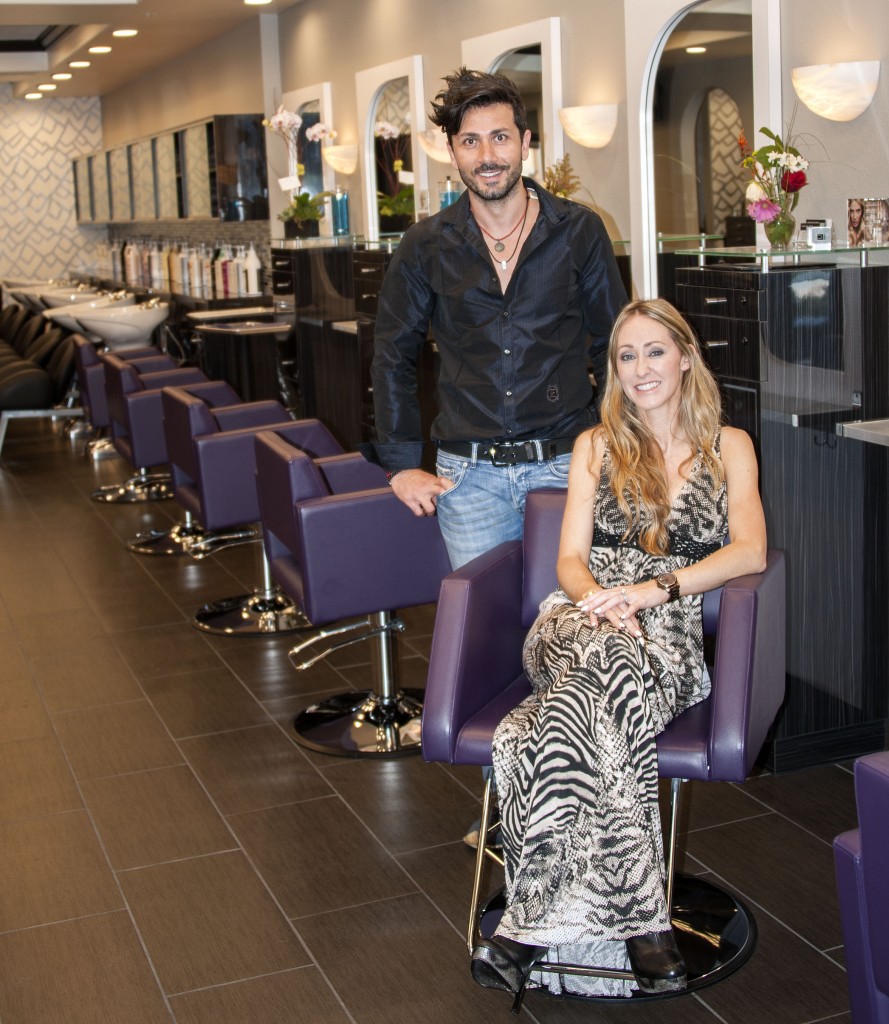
x=638, y=478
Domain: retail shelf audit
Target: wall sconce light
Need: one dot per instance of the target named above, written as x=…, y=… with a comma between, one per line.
x=343, y=159
x=434, y=144
x=839, y=92
x=591, y=126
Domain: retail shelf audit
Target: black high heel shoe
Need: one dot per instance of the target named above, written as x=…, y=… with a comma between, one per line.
x=504, y=963
x=656, y=962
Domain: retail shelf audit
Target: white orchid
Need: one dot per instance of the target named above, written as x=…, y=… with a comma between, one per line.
x=283, y=122
x=320, y=131
x=386, y=130
x=755, y=191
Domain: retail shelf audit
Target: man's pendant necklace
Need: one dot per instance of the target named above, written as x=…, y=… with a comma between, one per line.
x=518, y=241
x=498, y=242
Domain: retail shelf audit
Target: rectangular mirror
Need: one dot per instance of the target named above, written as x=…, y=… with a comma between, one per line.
x=83, y=192
x=197, y=164
x=142, y=175
x=101, y=195
x=121, y=194
x=166, y=176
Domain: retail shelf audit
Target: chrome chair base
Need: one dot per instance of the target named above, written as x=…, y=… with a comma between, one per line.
x=361, y=724
x=715, y=932
x=251, y=615
x=99, y=448
x=178, y=540
x=144, y=487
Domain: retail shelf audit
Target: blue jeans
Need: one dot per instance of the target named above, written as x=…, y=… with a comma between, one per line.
x=486, y=505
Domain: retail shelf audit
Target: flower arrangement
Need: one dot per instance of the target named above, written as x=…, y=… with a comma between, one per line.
x=778, y=174
x=287, y=125
x=391, y=148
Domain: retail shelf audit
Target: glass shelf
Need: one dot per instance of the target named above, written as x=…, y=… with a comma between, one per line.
x=665, y=243
x=791, y=256
x=318, y=242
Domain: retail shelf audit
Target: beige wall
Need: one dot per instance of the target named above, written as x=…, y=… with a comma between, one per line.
x=222, y=77
x=848, y=158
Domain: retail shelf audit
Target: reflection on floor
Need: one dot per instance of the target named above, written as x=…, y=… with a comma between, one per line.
x=168, y=853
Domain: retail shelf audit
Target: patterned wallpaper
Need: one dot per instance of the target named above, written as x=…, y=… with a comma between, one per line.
x=39, y=236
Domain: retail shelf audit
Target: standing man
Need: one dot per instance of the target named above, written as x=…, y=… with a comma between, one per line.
x=516, y=285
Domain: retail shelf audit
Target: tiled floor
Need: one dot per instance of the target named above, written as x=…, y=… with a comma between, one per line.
x=168, y=853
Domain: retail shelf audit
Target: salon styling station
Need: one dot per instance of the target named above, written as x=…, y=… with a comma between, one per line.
x=798, y=343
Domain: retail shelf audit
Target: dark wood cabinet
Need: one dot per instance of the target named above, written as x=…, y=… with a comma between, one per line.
x=799, y=350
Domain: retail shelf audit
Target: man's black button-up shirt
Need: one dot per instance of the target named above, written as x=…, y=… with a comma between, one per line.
x=514, y=365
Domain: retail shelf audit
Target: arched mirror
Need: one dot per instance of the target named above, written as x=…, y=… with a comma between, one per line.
x=394, y=170
x=703, y=100
x=530, y=55
x=679, y=159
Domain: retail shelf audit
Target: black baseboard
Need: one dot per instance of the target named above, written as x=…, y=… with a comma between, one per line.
x=786, y=754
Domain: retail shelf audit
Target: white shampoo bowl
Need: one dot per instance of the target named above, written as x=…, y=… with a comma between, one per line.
x=123, y=326
x=64, y=316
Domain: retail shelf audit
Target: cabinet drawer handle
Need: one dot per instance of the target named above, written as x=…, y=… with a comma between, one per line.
x=367, y=270
x=716, y=344
x=369, y=295
x=710, y=300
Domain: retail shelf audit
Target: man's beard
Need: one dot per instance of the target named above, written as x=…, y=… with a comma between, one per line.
x=472, y=183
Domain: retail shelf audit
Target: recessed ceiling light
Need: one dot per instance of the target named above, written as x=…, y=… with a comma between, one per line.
x=78, y=63
x=696, y=49
x=47, y=87
x=123, y=33
x=62, y=76
x=100, y=49
x=33, y=95
x=256, y=3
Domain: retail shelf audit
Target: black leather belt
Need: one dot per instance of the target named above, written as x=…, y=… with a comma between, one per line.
x=509, y=453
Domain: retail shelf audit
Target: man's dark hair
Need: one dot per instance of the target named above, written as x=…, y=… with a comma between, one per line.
x=467, y=89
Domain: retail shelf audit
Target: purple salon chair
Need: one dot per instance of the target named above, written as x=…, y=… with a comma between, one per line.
x=132, y=391
x=341, y=543
x=91, y=382
x=213, y=463
x=861, y=858
x=475, y=677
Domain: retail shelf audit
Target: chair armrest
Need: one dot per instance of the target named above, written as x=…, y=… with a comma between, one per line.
x=366, y=552
x=311, y=437
x=155, y=363
x=350, y=472
x=214, y=393
x=749, y=669
x=476, y=647
x=872, y=798
x=226, y=476
x=854, y=922
x=145, y=428
x=250, y=414
x=173, y=378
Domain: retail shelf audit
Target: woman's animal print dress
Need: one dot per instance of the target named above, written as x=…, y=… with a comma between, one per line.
x=576, y=763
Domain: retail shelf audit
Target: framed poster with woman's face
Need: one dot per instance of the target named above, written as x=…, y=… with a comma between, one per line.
x=868, y=221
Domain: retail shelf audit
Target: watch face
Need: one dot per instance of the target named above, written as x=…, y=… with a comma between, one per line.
x=666, y=580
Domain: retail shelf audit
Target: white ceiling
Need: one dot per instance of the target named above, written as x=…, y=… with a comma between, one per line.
x=167, y=29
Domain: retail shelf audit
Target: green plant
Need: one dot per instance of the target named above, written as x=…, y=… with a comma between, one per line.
x=305, y=207
x=560, y=179
x=401, y=203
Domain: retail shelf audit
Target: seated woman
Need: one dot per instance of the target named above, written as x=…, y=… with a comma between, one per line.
x=614, y=654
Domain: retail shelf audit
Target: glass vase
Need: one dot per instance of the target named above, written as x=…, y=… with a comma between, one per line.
x=780, y=231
